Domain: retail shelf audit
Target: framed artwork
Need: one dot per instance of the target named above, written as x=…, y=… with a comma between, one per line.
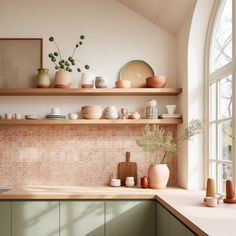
x=19, y=60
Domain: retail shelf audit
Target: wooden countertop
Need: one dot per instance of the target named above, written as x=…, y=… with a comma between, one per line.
x=77, y=192
x=186, y=205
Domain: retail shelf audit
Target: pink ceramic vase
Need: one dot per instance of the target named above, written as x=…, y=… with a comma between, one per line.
x=158, y=176
x=62, y=79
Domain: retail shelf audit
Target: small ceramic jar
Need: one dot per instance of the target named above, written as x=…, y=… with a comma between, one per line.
x=87, y=80
x=18, y=116
x=101, y=82
x=111, y=112
x=115, y=182
x=73, y=116
x=144, y=182
x=129, y=182
x=43, y=78
x=8, y=116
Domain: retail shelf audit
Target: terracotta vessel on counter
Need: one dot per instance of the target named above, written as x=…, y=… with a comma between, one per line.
x=62, y=79
x=156, y=81
x=230, y=194
x=144, y=182
x=158, y=176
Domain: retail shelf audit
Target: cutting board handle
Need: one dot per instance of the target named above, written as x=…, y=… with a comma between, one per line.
x=127, y=156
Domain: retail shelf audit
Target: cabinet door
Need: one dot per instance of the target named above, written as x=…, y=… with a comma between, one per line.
x=35, y=218
x=177, y=228
x=80, y=218
x=162, y=221
x=130, y=218
x=5, y=218
x=189, y=232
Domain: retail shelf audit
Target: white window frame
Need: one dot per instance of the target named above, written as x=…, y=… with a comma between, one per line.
x=217, y=75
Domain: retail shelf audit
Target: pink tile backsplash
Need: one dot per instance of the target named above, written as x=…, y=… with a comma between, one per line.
x=70, y=155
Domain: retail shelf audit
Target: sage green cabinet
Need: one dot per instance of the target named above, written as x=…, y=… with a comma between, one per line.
x=189, y=233
x=80, y=218
x=5, y=218
x=35, y=218
x=168, y=225
x=130, y=218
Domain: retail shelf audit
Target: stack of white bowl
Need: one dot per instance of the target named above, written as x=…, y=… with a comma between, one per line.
x=91, y=112
x=111, y=112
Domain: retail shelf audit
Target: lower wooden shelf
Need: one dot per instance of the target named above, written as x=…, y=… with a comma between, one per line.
x=92, y=122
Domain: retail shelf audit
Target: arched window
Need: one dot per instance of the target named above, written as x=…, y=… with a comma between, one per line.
x=221, y=95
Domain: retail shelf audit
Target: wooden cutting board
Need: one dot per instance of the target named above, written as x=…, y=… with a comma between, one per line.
x=127, y=169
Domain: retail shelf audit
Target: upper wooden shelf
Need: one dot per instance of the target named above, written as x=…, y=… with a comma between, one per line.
x=92, y=122
x=90, y=92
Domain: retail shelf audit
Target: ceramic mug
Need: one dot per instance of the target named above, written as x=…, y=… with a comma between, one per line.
x=171, y=109
x=8, y=116
x=18, y=116
x=55, y=111
x=211, y=201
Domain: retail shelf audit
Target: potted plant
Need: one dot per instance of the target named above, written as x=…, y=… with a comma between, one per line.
x=64, y=66
x=158, y=144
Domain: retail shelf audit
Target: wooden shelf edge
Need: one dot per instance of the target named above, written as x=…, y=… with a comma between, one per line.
x=92, y=122
x=90, y=92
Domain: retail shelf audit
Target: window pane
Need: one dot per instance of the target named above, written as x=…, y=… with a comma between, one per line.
x=212, y=102
x=222, y=38
x=224, y=173
x=212, y=170
x=212, y=141
x=225, y=140
x=225, y=97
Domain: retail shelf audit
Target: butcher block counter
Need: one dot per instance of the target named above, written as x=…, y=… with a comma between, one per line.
x=187, y=206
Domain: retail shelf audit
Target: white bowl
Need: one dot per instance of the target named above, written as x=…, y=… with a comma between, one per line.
x=115, y=182
x=211, y=201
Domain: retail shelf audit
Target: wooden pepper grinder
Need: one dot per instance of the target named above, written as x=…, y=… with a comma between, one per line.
x=230, y=194
x=211, y=188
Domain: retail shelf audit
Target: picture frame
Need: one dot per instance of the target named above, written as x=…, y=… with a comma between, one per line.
x=19, y=60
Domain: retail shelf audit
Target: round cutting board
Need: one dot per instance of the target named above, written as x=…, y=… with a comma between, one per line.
x=136, y=71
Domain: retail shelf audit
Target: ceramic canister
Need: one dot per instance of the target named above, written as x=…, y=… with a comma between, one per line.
x=87, y=78
x=111, y=112
x=43, y=78
x=101, y=82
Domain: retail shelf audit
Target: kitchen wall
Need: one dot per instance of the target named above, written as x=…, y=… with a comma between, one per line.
x=114, y=36
x=70, y=155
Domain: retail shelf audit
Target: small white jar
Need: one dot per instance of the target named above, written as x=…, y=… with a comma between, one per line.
x=115, y=182
x=73, y=116
x=129, y=182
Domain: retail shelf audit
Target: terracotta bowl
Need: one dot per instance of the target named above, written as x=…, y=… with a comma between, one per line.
x=91, y=112
x=123, y=84
x=156, y=82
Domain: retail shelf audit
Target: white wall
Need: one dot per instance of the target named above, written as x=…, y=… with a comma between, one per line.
x=114, y=36
x=182, y=75
x=191, y=158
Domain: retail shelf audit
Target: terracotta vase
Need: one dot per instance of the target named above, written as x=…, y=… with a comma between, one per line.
x=62, y=79
x=158, y=176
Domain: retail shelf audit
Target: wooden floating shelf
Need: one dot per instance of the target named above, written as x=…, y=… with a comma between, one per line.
x=92, y=122
x=90, y=92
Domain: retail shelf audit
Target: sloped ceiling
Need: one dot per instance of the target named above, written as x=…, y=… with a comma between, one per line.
x=167, y=14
